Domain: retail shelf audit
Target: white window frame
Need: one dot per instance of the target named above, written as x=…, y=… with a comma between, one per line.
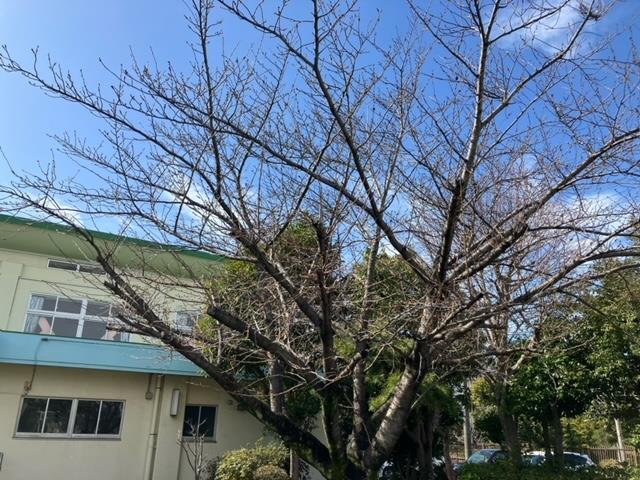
x=189, y=438
x=72, y=420
x=81, y=317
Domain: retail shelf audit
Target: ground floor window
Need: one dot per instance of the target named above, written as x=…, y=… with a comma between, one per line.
x=199, y=421
x=70, y=417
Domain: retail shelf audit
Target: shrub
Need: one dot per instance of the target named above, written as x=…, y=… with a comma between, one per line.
x=270, y=472
x=506, y=471
x=242, y=464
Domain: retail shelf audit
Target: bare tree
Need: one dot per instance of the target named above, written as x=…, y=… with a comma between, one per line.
x=492, y=139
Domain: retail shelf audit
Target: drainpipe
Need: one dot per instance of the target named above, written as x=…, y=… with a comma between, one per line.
x=152, y=441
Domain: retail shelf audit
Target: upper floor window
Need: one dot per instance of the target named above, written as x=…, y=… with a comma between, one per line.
x=69, y=317
x=69, y=417
x=199, y=421
x=186, y=319
x=75, y=267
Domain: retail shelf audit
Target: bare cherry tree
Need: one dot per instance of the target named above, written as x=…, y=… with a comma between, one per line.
x=490, y=148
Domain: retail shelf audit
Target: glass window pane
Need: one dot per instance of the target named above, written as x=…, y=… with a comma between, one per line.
x=69, y=305
x=86, y=416
x=110, y=417
x=92, y=329
x=65, y=327
x=98, y=309
x=57, y=419
x=38, y=324
x=63, y=265
x=32, y=415
x=42, y=302
x=186, y=320
x=190, y=425
x=95, y=269
x=207, y=421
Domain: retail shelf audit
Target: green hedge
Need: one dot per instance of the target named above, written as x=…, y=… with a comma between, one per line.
x=506, y=471
x=243, y=464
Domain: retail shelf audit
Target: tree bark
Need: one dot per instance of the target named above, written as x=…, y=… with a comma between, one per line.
x=509, y=423
x=558, y=437
x=431, y=426
x=546, y=438
x=620, y=439
x=448, y=464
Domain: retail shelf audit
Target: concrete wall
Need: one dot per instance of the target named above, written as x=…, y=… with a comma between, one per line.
x=107, y=459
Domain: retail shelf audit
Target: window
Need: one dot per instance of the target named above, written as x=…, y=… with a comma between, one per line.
x=68, y=317
x=76, y=267
x=67, y=417
x=186, y=319
x=199, y=420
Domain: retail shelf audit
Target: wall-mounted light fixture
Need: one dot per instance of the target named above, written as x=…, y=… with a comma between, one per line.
x=175, y=402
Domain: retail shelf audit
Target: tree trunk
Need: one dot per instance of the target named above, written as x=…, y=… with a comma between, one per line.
x=558, y=437
x=448, y=464
x=546, y=437
x=512, y=438
x=509, y=423
x=620, y=438
x=422, y=449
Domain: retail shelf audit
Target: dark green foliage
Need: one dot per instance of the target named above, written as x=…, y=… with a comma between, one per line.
x=507, y=471
x=303, y=407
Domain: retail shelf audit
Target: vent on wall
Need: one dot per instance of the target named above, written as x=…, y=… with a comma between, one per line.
x=75, y=267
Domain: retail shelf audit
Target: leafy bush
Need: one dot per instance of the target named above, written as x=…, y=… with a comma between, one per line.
x=243, y=464
x=270, y=472
x=506, y=471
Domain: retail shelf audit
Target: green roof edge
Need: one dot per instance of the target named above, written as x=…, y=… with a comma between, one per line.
x=111, y=237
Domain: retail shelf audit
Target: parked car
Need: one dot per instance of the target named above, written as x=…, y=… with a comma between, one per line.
x=387, y=471
x=484, y=456
x=572, y=460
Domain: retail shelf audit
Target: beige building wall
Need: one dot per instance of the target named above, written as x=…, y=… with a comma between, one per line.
x=123, y=458
x=24, y=274
x=137, y=454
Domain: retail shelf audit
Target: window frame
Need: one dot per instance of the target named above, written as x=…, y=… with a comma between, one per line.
x=80, y=317
x=191, y=438
x=90, y=268
x=72, y=419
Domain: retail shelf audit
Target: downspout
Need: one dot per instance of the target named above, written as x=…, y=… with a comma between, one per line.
x=152, y=441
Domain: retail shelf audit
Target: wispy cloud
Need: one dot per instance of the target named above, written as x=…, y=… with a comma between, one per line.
x=552, y=32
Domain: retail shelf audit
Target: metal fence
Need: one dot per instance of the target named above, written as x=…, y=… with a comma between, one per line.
x=598, y=454
x=605, y=455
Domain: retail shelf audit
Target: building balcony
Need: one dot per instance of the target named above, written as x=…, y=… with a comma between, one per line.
x=49, y=350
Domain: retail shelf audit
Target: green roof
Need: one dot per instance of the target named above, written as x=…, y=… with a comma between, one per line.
x=16, y=233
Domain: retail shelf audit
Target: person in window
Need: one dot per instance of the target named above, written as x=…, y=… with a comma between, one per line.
x=44, y=326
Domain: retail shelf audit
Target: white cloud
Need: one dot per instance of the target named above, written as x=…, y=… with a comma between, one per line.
x=551, y=33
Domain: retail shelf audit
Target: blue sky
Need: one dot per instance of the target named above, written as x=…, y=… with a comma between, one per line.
x=78, y=32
